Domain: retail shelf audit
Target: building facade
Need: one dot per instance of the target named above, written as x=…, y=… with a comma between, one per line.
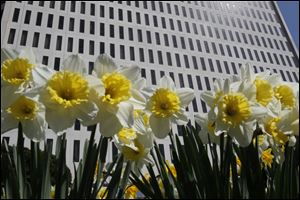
x=194, y=42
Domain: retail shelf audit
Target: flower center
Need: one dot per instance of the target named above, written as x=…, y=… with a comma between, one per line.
x=286, y=96
x=264, y=91
x=68, y=89
x=164, y=103
x=16, y=71
x=267, y=157
x=126, y=135
x=271, y=128
x=234, y=108
x=23, y=109
x=134, y=153
x=117, y=88
x=141, y=114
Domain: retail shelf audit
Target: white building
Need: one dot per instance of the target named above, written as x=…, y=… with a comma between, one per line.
x=194, y=42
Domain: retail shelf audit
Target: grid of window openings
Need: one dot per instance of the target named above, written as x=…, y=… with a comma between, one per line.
x=193, y=42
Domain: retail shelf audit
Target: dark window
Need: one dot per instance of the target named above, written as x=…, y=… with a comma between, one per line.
x=92, y=9
x=191, y=44
x=132, y=57
x=47, y=41
x=111, y=31
x=70, y=44
x=155, y=21
x=39, y=19
x=195, y=62
x=102, y=47
x=52, y=4
x=163, y=22
x=182, y=43
x=45, y=60
x=140, y=36
x=166, y=40
x=233, y=68
x=58, y=43
x=207, y=83
x=111, y=13
x=81, y=46
x=24, y=38
x=76, y=150
x=228, y=50
x=186, y=61
x=151, y=59
x=177, y=60
x=199, y=45
x=92, y=28
x=181, y=81
x=81, y=27
x=102, y=11
x=153, y=77
x=92, y=47
x=112, y=50
x=169, y=60
x=16, y=15
x=161, y=146
x=82, y=8
x=199, y=84
x=102, y=29
x=250, y=54
x=203, y=64
x=190, y=81
x=195, y=107
x=129, y=16
x=35, y=42
x=50, y=21
x=243, y=53
x=142, y=56
x=56, y=63
x=206, y=47
x=226, y=67
x=130, y=34
x=263, y=56
x=174, y=41
x=138, y=18
x=73, y=6
x=122, y=52
x=120, y=13
x=147, y=19
x=236, y=52
x=219, y=66
x=160, y=59
x=211, y=65
x=71, y=24
x=61, y=22
x=27, y=17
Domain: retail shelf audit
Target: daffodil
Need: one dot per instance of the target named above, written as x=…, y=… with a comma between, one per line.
x=102, y=193
x=237, y=113
x=267, y=158
x=166, y=105
x=28, y=111
x=208, y=127
x=20, y=71
x=67, y=96
x=119, y=95
x=131, y=192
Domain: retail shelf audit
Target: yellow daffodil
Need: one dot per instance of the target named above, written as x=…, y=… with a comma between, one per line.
x=167, y=104
x=119, y=95
x=131, y=192
x=67, y=96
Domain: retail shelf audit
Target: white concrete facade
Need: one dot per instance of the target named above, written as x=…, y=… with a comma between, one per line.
x=193, y=42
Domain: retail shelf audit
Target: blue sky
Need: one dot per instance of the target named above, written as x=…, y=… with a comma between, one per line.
x=290, y=12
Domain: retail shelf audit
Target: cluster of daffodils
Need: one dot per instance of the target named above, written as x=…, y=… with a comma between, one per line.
x=245, y=103
x=114, y=96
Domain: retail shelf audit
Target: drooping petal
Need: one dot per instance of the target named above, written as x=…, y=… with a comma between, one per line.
x=243, y=133
x=27, y=52
x=167, y=82
x=104, y=64
x=41, y=74
x=186, y=95
x=208, y=98
x=7, y=122
x=160, y=126
x=109, y=124
x=74, y=63
x=8, y=54
x=131, y=72
x=86, y=113
x=35, y=129
x=125, y=114
x=59, y=119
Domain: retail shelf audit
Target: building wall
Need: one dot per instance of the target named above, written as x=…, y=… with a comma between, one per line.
x=193, y=42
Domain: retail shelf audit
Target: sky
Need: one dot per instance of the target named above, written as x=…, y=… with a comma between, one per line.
x=290, y=12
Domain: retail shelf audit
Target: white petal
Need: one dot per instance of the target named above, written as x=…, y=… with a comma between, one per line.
x=138, y=100
x=74, y=63
x=125, y=114
x=160, y=126
x=243, y=133
x=86, y=113
x=221, y=127
x=41, y=74
x=186, y=95
x=146, y=140
x=104, y=64
x=109, y=124
x=7, y=122
x=28, y=53
x=258, y=111
x=8, y=96
x=35, y=129
x=181, y=119
x=96, y=84
x=139, y=84
x=208, y=98
x=8, y=54
x=274, y=79
x=131, y=72
x=167, y=82
x=59, y=119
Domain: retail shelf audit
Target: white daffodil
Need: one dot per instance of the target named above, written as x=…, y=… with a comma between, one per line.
x=208, y=127
x=167, y=104
x=119, y=95
x=20, y=71
x=289, y=123
x=134, y=146
x=67, y=96
x=25, y=110
x=286, y=93
x=237, y=113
